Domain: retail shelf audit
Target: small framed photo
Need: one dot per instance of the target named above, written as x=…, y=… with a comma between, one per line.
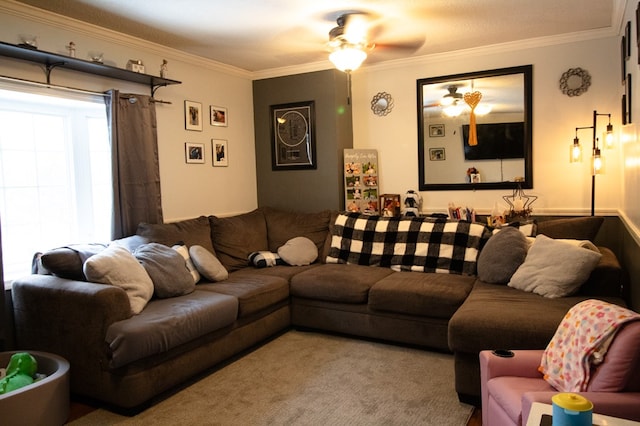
x=219, y=116
x=623, y=58
x=193, y=115
x=436, y=130
x=437, y=154
x=220, y=152
x=627, y=36
x=194, y=152
x=629, y=93
x=390, y=205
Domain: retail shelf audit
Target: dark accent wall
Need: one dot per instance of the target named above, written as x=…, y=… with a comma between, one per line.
x=630, y=259
x=307, y=190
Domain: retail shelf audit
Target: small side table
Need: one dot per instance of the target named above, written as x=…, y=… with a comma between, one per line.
x=538, y=409
x=45, y=402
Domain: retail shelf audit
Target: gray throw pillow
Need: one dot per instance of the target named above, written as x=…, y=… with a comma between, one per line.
x=502, y=255
x=298, y=251
x=207, y=264
x=167, y=270
x=554, y=268
x=67, y=262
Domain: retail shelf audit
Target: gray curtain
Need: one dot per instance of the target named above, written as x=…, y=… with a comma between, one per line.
x=136, y=174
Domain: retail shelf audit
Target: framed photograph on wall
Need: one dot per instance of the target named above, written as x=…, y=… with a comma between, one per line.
x=627, y=36
x=623, y=58
x=436, y=130
x=193, y=115
x=629, y=93
x=194, y=153
x=220, y=153
x=293, y=144
x=437, y=154
x=219, y=116
x=638, y=32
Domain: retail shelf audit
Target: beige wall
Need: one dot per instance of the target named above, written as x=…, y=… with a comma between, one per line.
x=188, y=190
x=561, y=187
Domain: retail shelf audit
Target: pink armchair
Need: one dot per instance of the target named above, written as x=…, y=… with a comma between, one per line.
x=511, y=385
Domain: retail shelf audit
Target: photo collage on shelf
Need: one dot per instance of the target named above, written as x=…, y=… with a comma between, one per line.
x=361, y=180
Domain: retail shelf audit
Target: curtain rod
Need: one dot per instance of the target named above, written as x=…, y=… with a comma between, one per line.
x=70, y=89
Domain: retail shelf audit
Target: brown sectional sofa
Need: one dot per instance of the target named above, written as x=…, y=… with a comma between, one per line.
x=126, y=360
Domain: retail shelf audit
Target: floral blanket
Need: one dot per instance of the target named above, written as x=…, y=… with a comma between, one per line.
x=580, y=342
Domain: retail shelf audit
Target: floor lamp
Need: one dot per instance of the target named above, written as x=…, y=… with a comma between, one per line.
x=597, y=160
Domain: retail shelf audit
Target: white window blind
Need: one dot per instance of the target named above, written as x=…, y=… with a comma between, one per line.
x=55, y=174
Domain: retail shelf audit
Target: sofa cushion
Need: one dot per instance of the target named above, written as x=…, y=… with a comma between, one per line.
x=167, y=270
x=284, y=225
x=298, y=251
x=423, y=294
x=168, y=323
x=554, y=268
x=502, y=255
x=190, y=232
x=115, y=265
x=577, y=228
x=501, y=317
x=207, y=264
x=408, y=243
x=337, y=283
x=235, y=237
x=254, y=292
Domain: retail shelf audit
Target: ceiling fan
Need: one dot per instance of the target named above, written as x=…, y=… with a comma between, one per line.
x=355, y=36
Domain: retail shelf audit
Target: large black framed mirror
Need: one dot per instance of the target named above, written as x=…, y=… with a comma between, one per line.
x=474, y=130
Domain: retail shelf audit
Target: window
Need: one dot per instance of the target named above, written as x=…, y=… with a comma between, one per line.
x=55, y=174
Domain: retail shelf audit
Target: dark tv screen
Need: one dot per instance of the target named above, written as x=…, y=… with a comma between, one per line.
x=495, y=141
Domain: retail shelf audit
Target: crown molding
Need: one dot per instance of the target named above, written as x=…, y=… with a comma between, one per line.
x=494, y=49
x=40, y=16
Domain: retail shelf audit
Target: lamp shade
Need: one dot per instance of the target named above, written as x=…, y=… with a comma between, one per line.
x=609, y=137
x=347, y=57
x=575, y=151
x=597, y=162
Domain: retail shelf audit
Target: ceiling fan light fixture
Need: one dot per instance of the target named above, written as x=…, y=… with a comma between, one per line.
x=348, y=57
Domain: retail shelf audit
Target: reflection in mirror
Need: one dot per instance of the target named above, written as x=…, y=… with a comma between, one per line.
x=474, y=130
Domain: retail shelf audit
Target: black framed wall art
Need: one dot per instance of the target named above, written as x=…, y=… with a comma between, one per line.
x=293, y=136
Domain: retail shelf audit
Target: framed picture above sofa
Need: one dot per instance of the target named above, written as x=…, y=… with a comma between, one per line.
x=293, y=136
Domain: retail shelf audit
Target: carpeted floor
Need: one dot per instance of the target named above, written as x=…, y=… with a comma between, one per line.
x=304, y=378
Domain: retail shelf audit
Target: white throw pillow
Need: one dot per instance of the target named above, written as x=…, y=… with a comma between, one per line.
x=207, y=264
x=184, y=252
x=116, y=266
x=298, y=251
x=554, y=268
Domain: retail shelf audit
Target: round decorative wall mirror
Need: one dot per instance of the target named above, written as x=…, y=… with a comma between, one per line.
x=575, y=81
x=382, y=104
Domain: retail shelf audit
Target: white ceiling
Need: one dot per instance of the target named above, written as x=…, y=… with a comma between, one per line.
x=257, y=35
